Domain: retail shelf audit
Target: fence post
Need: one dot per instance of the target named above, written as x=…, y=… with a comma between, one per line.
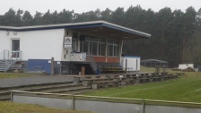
x=143, y=106
x=73, y=103
x=11, y=96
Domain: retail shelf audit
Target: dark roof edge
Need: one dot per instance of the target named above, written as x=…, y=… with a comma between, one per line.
x=76, y=25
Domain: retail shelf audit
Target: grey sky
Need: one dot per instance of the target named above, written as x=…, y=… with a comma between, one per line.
x=80, y=6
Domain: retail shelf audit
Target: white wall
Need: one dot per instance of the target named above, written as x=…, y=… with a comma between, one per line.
x=133, y=63
x=40, y=44
x=5, y=40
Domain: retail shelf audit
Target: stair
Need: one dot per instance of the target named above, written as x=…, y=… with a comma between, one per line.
x=5, y=65
x=57, y=87
x=8, y=59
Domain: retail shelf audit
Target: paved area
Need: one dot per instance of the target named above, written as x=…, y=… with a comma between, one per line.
x=36, y=79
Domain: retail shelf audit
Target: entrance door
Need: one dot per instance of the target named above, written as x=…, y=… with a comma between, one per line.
x=15, y=48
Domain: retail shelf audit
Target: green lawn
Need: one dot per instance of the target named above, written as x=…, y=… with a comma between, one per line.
x=185, y=88
x=13, y=75
x=9, y=107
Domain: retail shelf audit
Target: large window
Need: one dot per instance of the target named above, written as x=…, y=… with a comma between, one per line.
x=113, y=47
x=74, y=42
x=101, y=49
x=92, y=45
x=97, y=46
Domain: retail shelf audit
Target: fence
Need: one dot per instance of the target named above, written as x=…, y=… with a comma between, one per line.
x=104, y=104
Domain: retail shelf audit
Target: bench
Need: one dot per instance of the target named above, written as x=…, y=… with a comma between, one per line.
x=113, y=70
x=87, y=82
x=104, y=84
x=127, y=82
x=79, y=78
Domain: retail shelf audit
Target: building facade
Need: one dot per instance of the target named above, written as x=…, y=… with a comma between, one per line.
x=71, y=45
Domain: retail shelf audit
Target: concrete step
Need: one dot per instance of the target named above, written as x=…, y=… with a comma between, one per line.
x=32, y=85
x=62, y=87
x=67, y=89
x=2, y=93
x=5, y=98
x=41, y=88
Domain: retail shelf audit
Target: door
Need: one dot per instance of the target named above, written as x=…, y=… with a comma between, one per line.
x=15, y=48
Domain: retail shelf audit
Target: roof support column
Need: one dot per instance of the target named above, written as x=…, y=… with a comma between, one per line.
x=121, y=49
x=78, y=42
x=106, y=49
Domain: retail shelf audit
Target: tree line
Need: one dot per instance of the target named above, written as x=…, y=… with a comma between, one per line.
x=175, y=34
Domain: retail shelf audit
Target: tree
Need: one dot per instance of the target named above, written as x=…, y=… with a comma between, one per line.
x=189, y=22
x=118, y=16
x=65, y=16
x=9, y=18
x=19, y=18
x=27, y=18
x=37, y=20
x=106, y=15
x=47, y=18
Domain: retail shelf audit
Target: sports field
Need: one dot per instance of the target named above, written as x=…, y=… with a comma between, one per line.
x=186, y=88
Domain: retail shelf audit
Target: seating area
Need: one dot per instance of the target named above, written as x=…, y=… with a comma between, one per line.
x=112, y=69
x=114, y=80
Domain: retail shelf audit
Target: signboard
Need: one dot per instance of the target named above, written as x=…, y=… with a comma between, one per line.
x=67, y=42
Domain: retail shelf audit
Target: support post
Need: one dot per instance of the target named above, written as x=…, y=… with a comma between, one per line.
x=11, y=96
x=73, y=102
x=52, y=66
x=143, y=106
x=126, y=63
x=82, y=70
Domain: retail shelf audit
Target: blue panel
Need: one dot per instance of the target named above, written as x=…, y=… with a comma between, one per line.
x=39, y=65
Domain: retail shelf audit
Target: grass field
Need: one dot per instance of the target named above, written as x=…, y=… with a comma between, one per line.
x=186, y=88
x=9, y=107
x=13, y=75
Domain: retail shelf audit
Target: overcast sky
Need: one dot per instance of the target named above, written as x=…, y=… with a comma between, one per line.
x=80, y=6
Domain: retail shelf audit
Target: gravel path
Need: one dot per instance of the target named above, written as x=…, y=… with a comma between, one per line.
x=36, y=79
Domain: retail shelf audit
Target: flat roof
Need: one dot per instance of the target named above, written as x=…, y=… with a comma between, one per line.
x=100, y=28
x=153, y=60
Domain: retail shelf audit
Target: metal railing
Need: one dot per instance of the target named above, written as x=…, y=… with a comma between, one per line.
x=4, y=54
x=90, y=58
x=8, y=59
x=16, y=55
x=10, y=55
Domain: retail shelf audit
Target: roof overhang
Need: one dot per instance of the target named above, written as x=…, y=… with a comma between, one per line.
x=154, y=60
x=99, y=28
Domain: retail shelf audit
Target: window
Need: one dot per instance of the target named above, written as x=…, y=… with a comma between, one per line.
x=15, y=48
x=113, y=47
x=74, y=42
x=15, y=45
x=74, y=45
x=101, y=49
x=93, y=48
x=96, y=46
x=93, y=45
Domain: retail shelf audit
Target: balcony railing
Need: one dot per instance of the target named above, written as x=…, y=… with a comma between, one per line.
x=10, y=55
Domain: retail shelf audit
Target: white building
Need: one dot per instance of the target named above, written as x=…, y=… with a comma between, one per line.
x=71, y=45
x=130, y=63
x=185, y=66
